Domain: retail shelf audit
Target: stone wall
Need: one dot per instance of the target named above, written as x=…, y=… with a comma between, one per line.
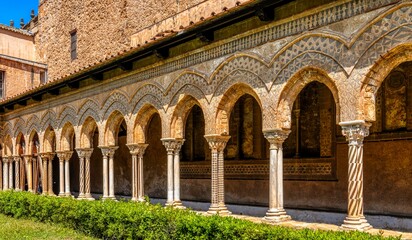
x=19, y=76
x=104, y=28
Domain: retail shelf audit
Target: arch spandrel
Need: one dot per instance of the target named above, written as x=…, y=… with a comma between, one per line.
x=68, y=114
x=48, y=118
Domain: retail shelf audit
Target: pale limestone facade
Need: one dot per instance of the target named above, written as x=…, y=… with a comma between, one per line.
x=348, y=46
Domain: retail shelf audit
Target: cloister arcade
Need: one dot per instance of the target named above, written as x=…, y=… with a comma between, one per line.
x=284, y=132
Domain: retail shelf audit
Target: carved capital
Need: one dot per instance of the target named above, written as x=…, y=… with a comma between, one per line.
x=64, y=155
x=28, y=158
x=108, y=151
x=16, y=158
x=355, y=131
x=137, y=148
x=6, y=159
x=44, y=156
x=217, y=142
x=84, y=152
x=173, y=144
x=276, y=137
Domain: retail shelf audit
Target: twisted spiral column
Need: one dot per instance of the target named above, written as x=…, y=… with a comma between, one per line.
x=88, y=154
x=11, y=183
x=5, y=173
x=355, y=132
x=81, y=155
x=17, y=172
x=50, y=174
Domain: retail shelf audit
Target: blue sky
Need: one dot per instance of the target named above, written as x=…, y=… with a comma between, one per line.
x=16, y=9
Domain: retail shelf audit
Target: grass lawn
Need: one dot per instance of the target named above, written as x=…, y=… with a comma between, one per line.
x=11, y=228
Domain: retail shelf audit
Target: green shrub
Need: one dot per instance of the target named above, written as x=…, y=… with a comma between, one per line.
x=130, y=220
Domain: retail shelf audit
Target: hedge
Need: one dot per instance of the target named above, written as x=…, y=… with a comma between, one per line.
x=131, y=220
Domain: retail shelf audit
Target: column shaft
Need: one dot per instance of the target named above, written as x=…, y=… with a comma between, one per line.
x=44, y=176
x=29, y=174
x=67, y=192
x=105, y=177
x=217, y=144
x=61, y=177
x=5, y=174
x=170, y=178
x=81, y=177
x=134, y=178
x=50, y=175
x=276, y=212
x=17, y=173
x=355, y=132
x=11, y=174
x=111, y=177
x=140, y=182
x=87, y=178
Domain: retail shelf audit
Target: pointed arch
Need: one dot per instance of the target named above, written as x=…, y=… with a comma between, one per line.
x=88, y=128
x=68, y=115
x=33, y=143
x=180, y=114
x=144, y=114
x=48, y=119
x=227, y=102
x=8, y=146
x=112, y=127
x=49, y=140
x=188, y=82
x=18, y=126
x=20, y=143
x=116, y=101
x=89, y=109
x=32, y=124
x=292, y=89
x=66, y=138
x=147, y=94
x=376, y=75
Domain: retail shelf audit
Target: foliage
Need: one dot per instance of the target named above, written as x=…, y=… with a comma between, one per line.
x=130, y=220
x=26, y=229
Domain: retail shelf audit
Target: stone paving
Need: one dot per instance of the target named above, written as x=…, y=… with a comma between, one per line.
x=322, y=226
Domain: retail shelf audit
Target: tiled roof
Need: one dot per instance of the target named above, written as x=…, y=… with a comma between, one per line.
x=16, y=30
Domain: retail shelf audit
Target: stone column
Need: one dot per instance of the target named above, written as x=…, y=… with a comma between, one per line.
x=170, y=145
x=176, y=174
x=217, y=144
x=1, y=174
x=44, y=178
x=355, y=132
x=67, y=176
x=276, y=212
x=5, y=173
x=81, y=155
x=108, y=174
x=87, y=155
x=11, y=182
x=29, y=172
x=137, y=152
x=173, y=146
x=17, y=172
x=64, y=157
x=50, y=174
x=61, y=157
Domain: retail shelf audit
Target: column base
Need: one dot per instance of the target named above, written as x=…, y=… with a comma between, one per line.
x=62, y=194
x=358, y=224
x=109, y=198
x=68, y=195
x=81, y=196
x=88, y=196
x=218, y=210
x=178, y=204
x=276, y=215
